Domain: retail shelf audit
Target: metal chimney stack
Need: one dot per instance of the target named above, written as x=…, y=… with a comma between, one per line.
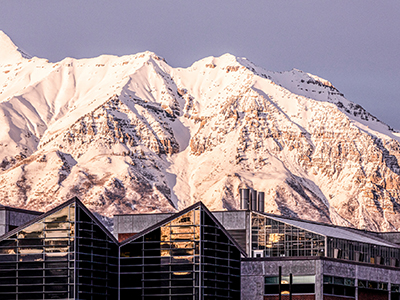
x=261, y=197
x=253, y=200
x=244, y=198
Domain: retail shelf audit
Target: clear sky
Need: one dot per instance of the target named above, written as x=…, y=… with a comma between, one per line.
x=354, y=44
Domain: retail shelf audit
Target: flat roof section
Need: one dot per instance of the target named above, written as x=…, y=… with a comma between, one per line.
x=21, y=210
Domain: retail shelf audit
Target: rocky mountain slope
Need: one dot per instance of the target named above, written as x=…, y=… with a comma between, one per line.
x=133, y=134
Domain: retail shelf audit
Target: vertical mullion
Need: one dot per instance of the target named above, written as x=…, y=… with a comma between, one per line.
x=69, y=252
x=76, y=230
x=17, y=267
x=91, y=260
x=43, y=258
x=170, y=262
x=194, y=255
x=107, y=269
x=142, y=244
x=119, y=273
x=201, y=254
x=229, y=269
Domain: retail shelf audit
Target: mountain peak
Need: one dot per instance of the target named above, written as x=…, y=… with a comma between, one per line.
x=133, y=134
x=9, y=51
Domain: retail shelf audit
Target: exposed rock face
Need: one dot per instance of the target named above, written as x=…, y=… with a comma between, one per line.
x=132, y=134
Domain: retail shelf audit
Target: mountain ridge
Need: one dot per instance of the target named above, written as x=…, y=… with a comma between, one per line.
x=132, y=134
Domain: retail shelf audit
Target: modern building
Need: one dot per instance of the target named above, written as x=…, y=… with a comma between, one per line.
x=67, y=253
x=11, y=218
x=324, y=261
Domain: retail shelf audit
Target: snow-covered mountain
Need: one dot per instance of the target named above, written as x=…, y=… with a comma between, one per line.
x=133, y=134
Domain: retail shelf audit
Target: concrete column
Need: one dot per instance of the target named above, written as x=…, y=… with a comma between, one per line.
x=356, y=282
x=3, y=222
x=248, y=234
x=319, y=280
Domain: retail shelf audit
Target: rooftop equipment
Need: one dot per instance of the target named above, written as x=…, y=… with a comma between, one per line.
x=261, y=197
x=244, y=198
x=253, y=200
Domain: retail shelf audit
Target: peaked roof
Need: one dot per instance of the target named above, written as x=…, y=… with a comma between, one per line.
x=331, y=231
x=182, y=212
x=96, y=220
x=38, y=218
x=52, y=211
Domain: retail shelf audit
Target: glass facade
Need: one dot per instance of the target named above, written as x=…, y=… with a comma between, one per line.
x=275, y=238
x=96, y=260
x=280, y=239
x=220, y=262
x=64, y=255
x=37, y=262
x=189, y=257
x=68, y=254
x=363, y=252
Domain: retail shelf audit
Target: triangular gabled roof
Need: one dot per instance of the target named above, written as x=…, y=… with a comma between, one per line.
x=38, y=218
x=50, y=212
x=97, y=221
x=182, y=212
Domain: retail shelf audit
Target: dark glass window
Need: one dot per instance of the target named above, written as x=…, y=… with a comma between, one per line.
x=97, y=259
x=171, y=261
x=30, y=254
x=395, y=292
x=42, y=257
x=304, y=284
x=339, y=286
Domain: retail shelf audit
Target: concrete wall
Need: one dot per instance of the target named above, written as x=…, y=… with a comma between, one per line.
x=236, y=221
x=17, y=218
x=14, y=217
x=253, y=272
x=232, y=220
x=3, y=227
x=252, y=280
x=136, y=223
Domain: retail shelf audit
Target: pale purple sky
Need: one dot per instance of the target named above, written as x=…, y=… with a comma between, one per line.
x=353, y=44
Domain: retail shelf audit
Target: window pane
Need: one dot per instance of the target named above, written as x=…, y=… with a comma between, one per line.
x=59, y=216
x=303, y=279
x=272, y=280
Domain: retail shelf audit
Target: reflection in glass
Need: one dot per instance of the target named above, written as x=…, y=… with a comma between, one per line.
x=57, y=233
x=30, y=250
x=38, y=247
x=171, y=267
x=59, y=216
x=33, y=231
x=52, y=226
x=280, y=239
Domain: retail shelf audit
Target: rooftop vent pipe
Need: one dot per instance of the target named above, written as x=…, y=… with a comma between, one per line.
x=261, y=196
x=253, y=200
x=244, y=198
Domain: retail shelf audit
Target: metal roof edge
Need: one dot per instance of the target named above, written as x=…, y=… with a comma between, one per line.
x=38, y=218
